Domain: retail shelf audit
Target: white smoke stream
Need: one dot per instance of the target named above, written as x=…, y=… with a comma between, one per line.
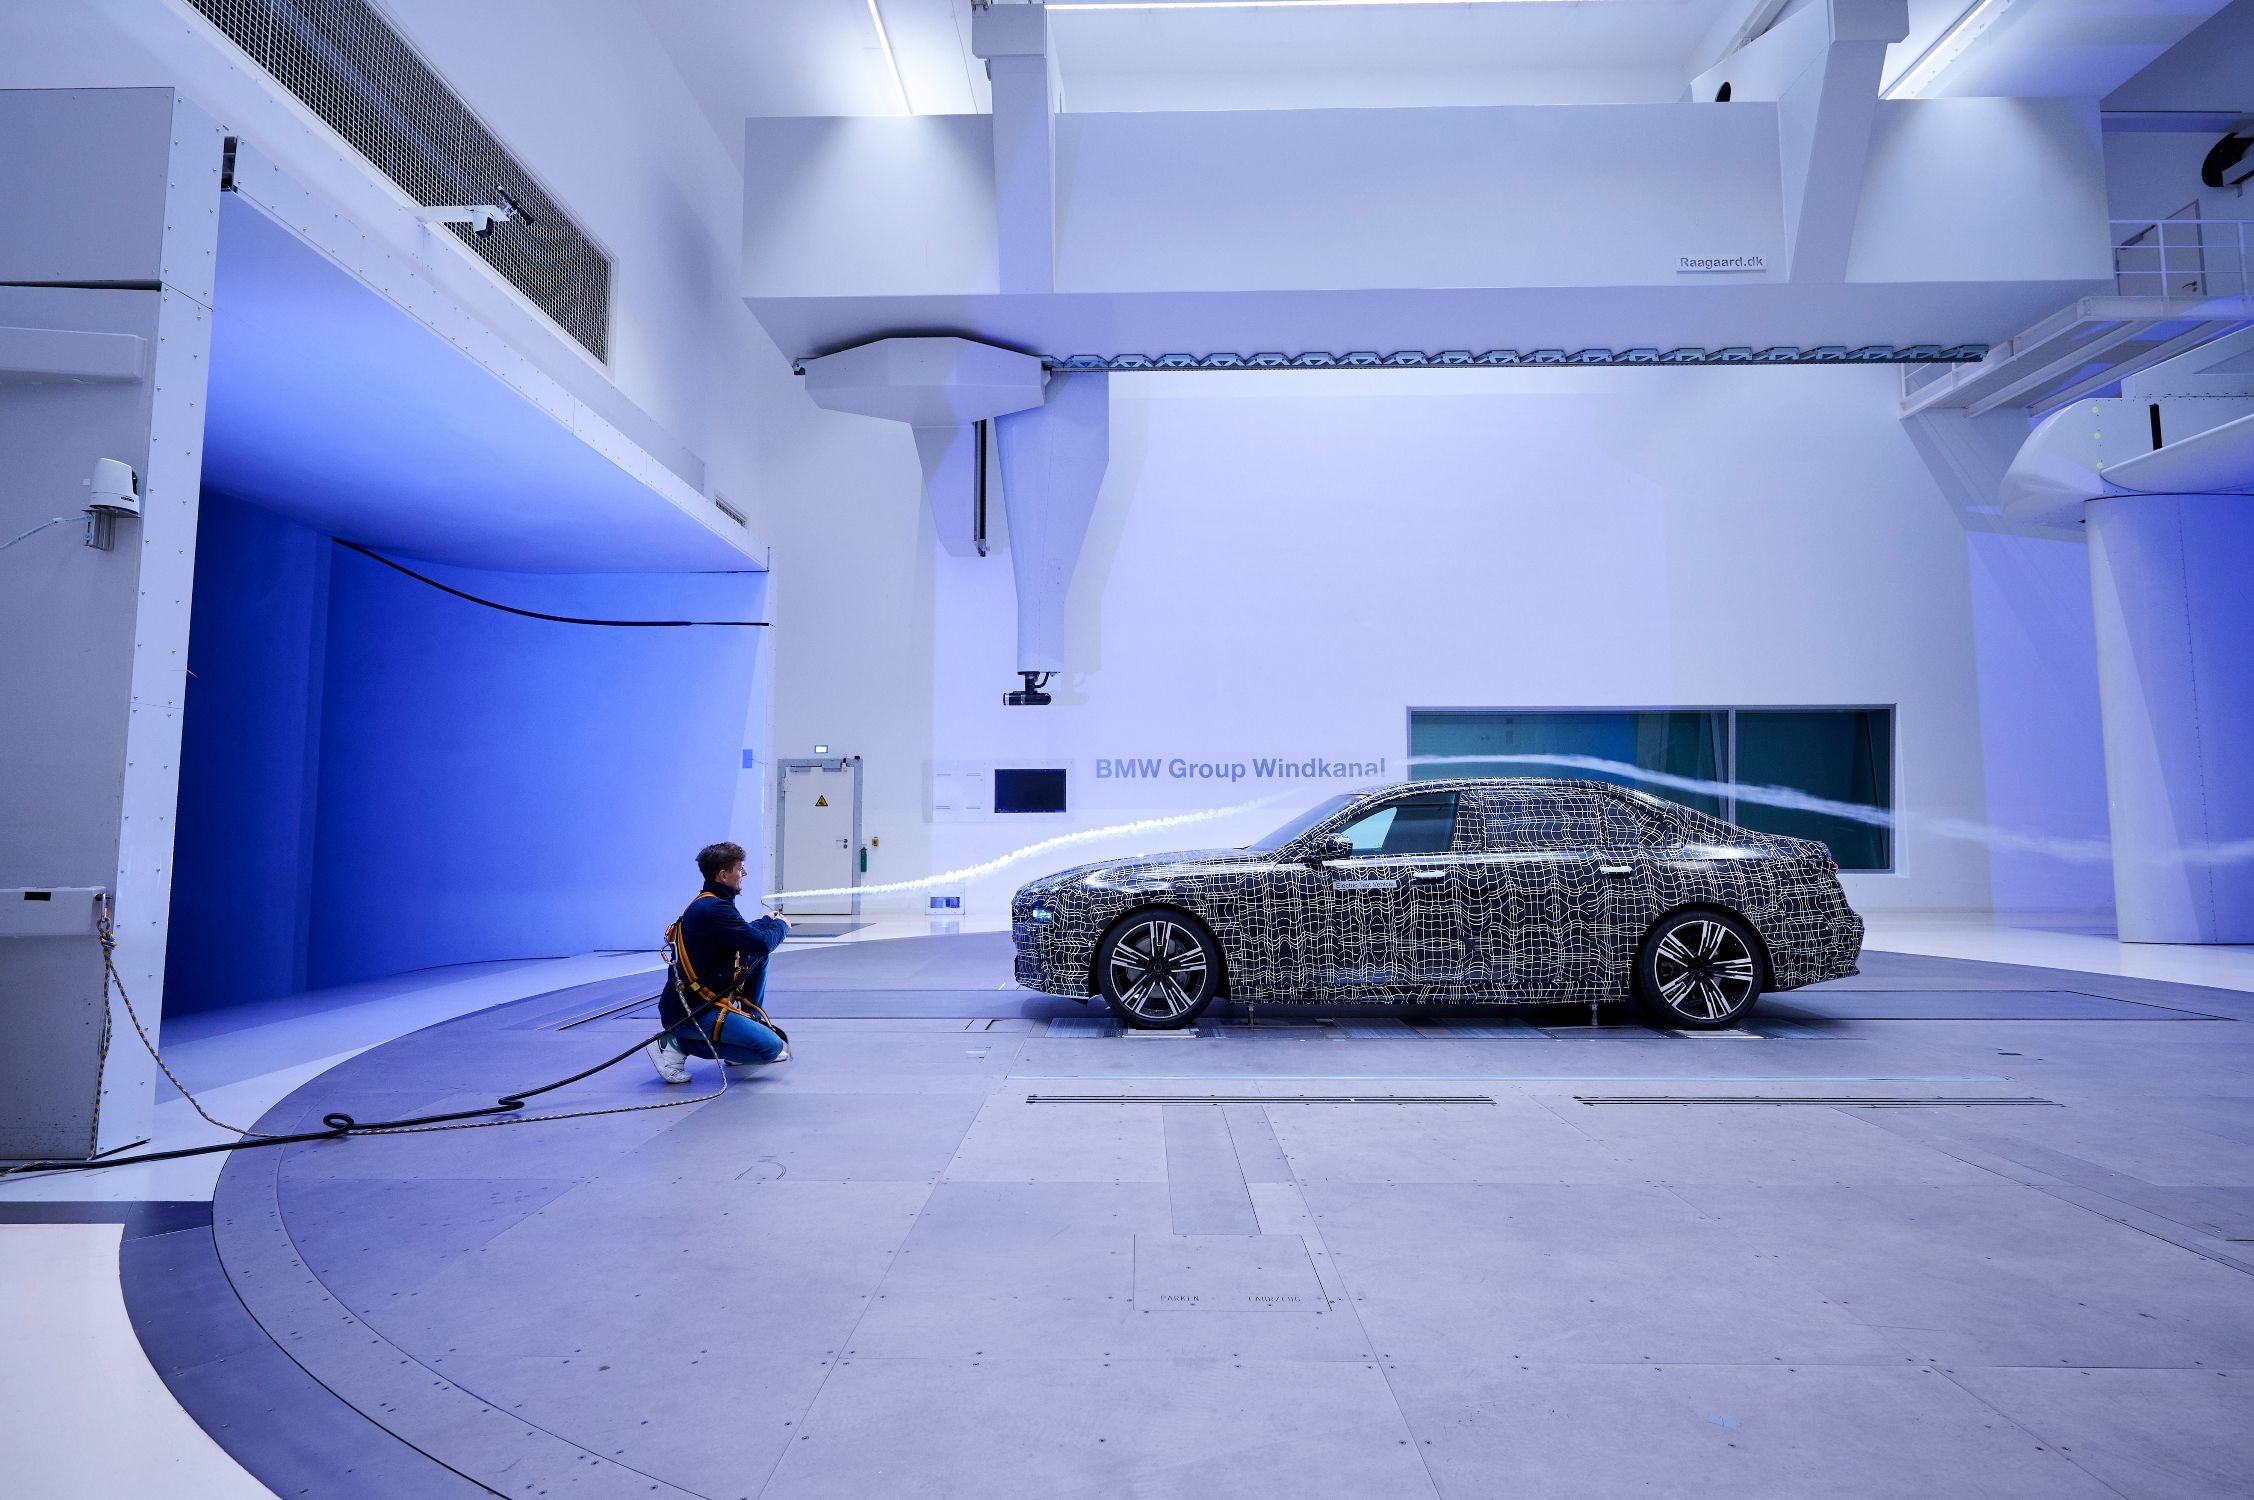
x=1002, y=862
x=2078, y=850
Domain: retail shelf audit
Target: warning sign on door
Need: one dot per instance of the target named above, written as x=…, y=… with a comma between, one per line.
x=822, y=801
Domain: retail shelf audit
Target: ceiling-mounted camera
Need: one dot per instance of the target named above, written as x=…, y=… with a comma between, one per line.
x=1030, y=696
x=481, y=217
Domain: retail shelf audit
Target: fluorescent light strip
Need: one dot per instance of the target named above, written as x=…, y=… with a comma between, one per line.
x=1946, y=49
x=891, y=63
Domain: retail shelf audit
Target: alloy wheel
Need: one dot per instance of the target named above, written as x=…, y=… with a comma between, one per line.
x=1705, y=971
x=1158, y=970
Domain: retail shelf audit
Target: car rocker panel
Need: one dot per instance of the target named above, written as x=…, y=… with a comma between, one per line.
x=1513, y=891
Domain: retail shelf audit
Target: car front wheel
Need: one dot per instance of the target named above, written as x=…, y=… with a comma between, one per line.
x=1698, y=970
x=1158, y=969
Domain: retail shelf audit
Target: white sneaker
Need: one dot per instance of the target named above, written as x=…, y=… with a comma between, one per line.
x=667, y=1058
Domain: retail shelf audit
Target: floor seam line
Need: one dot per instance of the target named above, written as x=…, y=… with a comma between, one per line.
x=1377, y=1356
x=281, y=1221
x=2040, y=1440
x=335, y=1395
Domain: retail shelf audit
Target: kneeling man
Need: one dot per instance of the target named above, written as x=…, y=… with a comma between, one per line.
x=714, y=957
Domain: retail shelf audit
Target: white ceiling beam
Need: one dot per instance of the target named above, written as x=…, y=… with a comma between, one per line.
x=1821, y=67
x=1824, y=121
x=1734, y=25
x=1014, y=40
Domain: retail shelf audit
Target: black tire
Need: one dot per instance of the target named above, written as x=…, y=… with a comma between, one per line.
x=1158, y=968
x=1698, y=970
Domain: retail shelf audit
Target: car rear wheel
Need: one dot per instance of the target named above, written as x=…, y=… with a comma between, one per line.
x=1158, y=969
x=1698, y=970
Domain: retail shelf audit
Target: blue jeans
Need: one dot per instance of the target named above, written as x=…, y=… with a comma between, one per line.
x=742, y=1040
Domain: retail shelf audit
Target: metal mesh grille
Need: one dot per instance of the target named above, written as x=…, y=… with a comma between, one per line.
x=346, y=63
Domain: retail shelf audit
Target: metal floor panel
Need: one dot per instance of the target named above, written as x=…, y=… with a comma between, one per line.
x=1317, y=1267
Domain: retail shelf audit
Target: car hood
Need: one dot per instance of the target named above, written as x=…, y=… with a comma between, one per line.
x=1148, y=867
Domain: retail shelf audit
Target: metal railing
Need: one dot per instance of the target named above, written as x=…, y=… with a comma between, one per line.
x=2183, y=258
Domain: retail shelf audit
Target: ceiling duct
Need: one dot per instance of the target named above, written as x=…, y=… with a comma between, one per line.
x=344, y=62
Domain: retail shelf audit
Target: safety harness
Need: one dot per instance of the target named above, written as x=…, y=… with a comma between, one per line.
x=722, y=1003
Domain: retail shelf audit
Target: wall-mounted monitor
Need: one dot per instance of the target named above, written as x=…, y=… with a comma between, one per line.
x=1029, y=791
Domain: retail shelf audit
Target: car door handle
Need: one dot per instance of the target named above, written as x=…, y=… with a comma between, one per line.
x=1616, y=869
x=1426, y=877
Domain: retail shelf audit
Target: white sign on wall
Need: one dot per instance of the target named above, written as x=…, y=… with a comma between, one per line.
x=1702, y=265
x=1248, y=768
x=961, y=790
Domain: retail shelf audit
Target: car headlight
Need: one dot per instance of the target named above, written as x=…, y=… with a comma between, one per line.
x=1041, y=913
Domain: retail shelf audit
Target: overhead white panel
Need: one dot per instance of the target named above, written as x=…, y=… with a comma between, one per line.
x=1317, y=199
x=332, y=405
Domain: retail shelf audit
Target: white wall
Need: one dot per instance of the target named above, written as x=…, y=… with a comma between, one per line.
x=1998, y=192
x=2035, y=642
x=2155, y=175
x=1593, y=196
x=851, y=598
x=95, y=667
x=1089, y=85
x=1283, y=564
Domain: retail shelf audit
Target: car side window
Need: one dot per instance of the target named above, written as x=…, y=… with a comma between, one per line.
x=1561, y=820
x=1413, y=825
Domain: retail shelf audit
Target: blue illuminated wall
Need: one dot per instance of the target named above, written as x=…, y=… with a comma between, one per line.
x=379, y=777
x=494, y=787
x=249, y=759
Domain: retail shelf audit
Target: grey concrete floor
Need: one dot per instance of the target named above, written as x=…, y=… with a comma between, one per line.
x=967, y=1244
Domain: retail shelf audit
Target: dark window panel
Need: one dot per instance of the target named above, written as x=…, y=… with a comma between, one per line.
x=1841, y=755
x=1690, y=743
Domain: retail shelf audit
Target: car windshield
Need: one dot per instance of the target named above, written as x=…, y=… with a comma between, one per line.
x=1300, y=824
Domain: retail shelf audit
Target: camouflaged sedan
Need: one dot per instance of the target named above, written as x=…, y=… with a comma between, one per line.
x=1517, y=891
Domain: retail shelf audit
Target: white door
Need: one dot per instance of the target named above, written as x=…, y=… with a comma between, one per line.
x=818, y=817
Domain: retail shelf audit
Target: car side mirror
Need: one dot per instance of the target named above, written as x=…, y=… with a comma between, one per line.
x=1337, y=846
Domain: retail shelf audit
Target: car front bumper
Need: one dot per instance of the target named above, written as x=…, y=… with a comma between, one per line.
x=1044, y=961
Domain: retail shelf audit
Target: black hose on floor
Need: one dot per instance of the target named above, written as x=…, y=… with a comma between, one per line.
x=337, y=1125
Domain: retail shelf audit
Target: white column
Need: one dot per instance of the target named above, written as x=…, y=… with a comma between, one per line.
x=1014, y=40
x=2172, y=580
x=1053, y=461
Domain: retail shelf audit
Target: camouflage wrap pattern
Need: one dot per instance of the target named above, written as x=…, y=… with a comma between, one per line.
x=1543, y=897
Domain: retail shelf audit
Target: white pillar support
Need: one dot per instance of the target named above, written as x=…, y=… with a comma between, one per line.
x=1821, y=66
x=1053, y=461
x=2175, y=633
x=106, y=301
x=1824, y=120
x=1014, y=40
x=2162, y=479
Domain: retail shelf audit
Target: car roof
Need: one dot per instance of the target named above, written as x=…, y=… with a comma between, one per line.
x=1645, y=803
x=1499, y=783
